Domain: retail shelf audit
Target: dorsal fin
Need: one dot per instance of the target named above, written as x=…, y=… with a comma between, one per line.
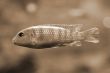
x=67, y=26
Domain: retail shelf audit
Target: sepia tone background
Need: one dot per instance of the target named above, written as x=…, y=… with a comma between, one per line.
x=89, y=58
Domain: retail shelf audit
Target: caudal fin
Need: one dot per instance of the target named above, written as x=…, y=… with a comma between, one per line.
x=92, y=35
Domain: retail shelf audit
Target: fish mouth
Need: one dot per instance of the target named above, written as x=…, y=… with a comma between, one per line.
x=13, y=41
x=16, y=43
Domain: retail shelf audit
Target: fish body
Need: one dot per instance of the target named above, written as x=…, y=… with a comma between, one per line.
x=48, y=36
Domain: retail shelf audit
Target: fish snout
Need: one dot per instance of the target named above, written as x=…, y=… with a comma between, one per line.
x=14, y=41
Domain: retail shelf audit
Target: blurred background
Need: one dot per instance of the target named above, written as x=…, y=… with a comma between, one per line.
x=89, y=58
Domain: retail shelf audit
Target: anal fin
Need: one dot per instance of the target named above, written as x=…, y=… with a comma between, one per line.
x=76, y=43
x=92, y=39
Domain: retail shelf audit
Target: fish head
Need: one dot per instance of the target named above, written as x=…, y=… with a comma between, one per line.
x=24, y=38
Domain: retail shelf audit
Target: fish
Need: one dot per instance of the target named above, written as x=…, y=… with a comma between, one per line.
x=55, y=35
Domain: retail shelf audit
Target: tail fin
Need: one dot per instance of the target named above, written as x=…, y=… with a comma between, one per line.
x=91, y=35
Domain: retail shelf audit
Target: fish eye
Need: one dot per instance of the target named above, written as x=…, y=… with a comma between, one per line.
x=21, y=34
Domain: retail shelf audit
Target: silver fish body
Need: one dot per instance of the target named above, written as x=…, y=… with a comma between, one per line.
x=48, y=36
